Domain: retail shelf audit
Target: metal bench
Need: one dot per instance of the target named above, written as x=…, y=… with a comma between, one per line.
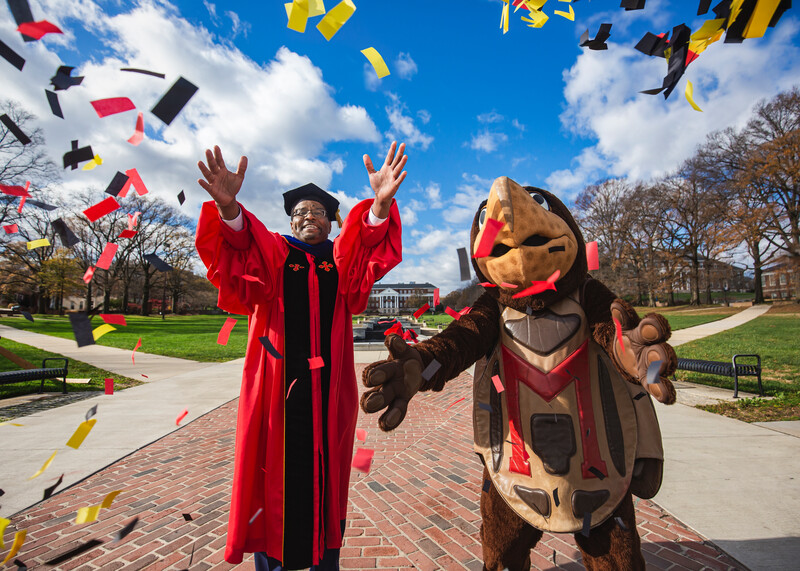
x=8, y=377
x=732, y=369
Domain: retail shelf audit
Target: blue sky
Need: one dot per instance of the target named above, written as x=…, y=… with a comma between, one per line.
x=472, y=103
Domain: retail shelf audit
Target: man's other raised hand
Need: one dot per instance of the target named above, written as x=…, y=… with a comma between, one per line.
x=220, y=183
x=386, y=181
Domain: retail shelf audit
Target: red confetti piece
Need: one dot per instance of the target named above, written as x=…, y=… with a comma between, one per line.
x=421, y=310
x=249, y=278
x=109, y=386
x=135, y=180
x=14, y=190
x=145, y=376
x=452, y=313
x=290, y=388
x=113, y=319
x=436, y=297
x=361, y=434
x=87, y=277
x=487, y=284
x=539, y=287
x=181, y=416
x=316, y=363
x=362, y=461
x=508, y=285
x=618, y=327
x=592, y=260
x=465, y=311
x=104, y=261
x=138, y=135
x=498, y=384
x=112, y=106
x=225, y=332
x=37, y=30
x=127, y=234
x=100, y=209
x=11, y=229
x=133, y=355
x=454, y=403
x=486, y=243
x=396, y=328
x=133, y=219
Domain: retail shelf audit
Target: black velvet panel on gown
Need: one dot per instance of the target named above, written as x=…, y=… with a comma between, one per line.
x=299, y=431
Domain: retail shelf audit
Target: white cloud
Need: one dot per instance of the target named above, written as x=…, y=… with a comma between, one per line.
x=371, y=80
x=490, y=117
x=212, y=11
x=408, y=215
x=237, y=25
x=424, y=116
x=487, y=141
x=405, y=66
x=517, y=125
x=471, y=192
x=281, y=114
x=402, y=127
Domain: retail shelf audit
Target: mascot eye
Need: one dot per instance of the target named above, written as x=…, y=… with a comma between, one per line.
x=482, y=217
x=541, y=200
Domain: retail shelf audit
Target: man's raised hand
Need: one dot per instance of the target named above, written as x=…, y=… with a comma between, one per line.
x=386, y=181
x=220, y=183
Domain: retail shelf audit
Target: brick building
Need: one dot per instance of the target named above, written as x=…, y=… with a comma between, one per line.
x=779, y=279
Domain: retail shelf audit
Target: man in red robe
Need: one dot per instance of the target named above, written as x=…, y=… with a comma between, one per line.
x=299, y=399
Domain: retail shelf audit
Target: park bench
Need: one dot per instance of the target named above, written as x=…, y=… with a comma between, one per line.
x=8, y=377
x=732, y=369
x=9, y=311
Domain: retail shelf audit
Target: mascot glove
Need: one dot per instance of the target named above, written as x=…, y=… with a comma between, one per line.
x=395, y=381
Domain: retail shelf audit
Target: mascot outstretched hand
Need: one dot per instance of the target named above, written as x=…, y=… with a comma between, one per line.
x=566, y=430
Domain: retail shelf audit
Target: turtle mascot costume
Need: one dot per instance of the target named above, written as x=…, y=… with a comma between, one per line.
x=566, y=431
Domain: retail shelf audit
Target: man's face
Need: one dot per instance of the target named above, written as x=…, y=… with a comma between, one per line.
x=310, y=229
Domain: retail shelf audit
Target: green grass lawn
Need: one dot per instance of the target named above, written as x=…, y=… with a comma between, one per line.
x=682, y=317
x=77, y=370
x=184, y=336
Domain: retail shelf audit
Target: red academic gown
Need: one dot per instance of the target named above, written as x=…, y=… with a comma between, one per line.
x=247, y=267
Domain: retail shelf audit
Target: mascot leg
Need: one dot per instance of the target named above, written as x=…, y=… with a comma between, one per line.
x=506, y=538
x=612, y=546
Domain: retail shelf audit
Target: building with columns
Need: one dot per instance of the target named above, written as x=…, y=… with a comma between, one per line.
x=388, y=299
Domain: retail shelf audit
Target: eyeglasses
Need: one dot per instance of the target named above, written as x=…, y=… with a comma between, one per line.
x=315, y=212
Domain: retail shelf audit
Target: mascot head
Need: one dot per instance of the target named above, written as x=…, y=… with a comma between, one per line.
x=538, y=237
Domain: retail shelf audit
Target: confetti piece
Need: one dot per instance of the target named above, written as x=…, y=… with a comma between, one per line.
x=11, y=229
x=135, y=181
x=81, y=433
x=11, y=56
x=114, y=319
x=361, y=434
x=597, y=473
x=127, y=234
x=463, y=264
x=37, y=30
x=65, y=233
x=19, y=539
x=568, y=15
x=653, y=370
x=397, y=328
x=90, y=413
x=27, y=316
x=87, y=514
x=44, y=466
x=487, y=284
x=454, y=403
x=77, y=155
x=181, y=416
x=618, y=327
x=3, y=523
x=107, y=206
x=297, y=12
x=81, y=329
x=55, y=106
x=181, y=198
x=486, y=485
x=465, y=311
x=132, y=220
x=377, y=62
x=435, y=297
x=539, y=287
x=133, y=354
x=689, y=93
x=117, y=184
x=187, y=517
x=587, y=524
x=63, y=79
x=109, y=386
x=225, y=332
x=498, y=384
x=109, y=499
x=92, y=543
x=138, y=133
x=143, y=71
x=129, y=527
x=599, y=41
x=14, y=190
x=270, y=347
x=431, y=369
x=640, y=395
x=290, y=388
x=421, y=310
x=14, y=129
x=484, y=406
x=508, y=285
x=158, y=263
x=316, y=363
x=33, y=244
x=87, y=276
x=452, y=313
x=101, y=330
x=336, y=18
x=486, y=244
x=592, y=260
x=555, y=497
x=174, y=100
x=362, y=461
x=93, y=164
x=104, y=261
x=255, y=515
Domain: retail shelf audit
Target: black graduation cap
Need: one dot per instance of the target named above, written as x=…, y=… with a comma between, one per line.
x=68, y=238
x=77, y=155
x=174, y=100
x=599, y=41
x=21, y=11
x=63, y=78
x=11, y=56
x=55, y=106
x=14, y=128
x=116, y=184
x=310, y=191
x=159, y=264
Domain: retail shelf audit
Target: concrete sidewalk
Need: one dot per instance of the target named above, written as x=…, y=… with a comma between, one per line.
x=682, y=336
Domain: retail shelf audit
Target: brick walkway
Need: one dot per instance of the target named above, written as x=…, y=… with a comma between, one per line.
x=417, y=508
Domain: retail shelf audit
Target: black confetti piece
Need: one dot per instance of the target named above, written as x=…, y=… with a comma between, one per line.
x=42, y=205
x=143, y=71
x=11, y=56
x=20, y=565
x=67, y=236
x=486, y=485
x=27, y=316
x=21, y=11
x=484, y=406
x=92, y=543
x=129, y=527
x=653, y=369
x=187, y=517
x=554, y=558
x=640, y=395
x=91, y=412
x=55, y=106
x=181, y=197
x=63, y=78
x=431, y=369
x=463, y=264
x=2, y=492
x=174, y=100
x=77, y=155
x=158, y=263
x=599, y=41
x=49, y=491
x=621, y=523
x=82, y=329
x=270, y=347
x=14, y=129
x=596, y=472
x=255, y=515
x=115, y=186
x=587, y=524
x=702, y=9
x=555, y=497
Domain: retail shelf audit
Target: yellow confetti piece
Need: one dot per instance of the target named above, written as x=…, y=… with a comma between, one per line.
x=19, y=539
x=504, y=17
x=109, y=499
x=569, y=16
x=3, y=523
x=335, y=18
x=87, y=514
x=81, y=433
x=689, y=92
x=537, y=19
x=33, y=244
x=762, y=15
x=11, y=423
x=44, y=467
x=377, y=62
x=95, y=162
x=297, y=12
x=98, y=332
x=315, y=8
